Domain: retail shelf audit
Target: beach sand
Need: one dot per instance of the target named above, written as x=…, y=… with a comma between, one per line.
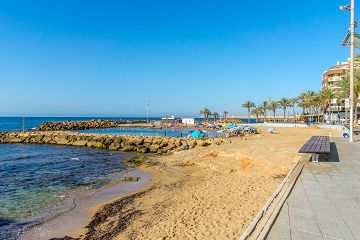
x=205, y=193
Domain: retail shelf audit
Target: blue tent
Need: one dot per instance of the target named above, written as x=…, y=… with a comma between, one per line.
x=231, y=125
x=197, y=134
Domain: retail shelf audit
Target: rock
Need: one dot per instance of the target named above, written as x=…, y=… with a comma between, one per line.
x=149, y=140
x=61, y=140
x=95, y=144
x=114, y=146
x=143, y=150
x=154, y=148
x=178, y=143
x=136, y=141
x=79, y=143
x=127, y=148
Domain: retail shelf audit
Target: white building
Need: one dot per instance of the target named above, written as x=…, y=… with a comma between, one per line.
x=188, y=121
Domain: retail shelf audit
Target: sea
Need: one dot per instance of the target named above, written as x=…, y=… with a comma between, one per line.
x=8, y=124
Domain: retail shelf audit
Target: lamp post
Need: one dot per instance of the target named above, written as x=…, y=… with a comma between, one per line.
x=147, y=112
x=351, y=8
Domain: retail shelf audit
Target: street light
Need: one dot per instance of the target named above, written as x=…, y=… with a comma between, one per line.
x=351, y=8
x=147, y=112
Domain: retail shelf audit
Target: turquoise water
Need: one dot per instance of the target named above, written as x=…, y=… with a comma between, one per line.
x=37, y=180
x=177, y=132
x=16, y=123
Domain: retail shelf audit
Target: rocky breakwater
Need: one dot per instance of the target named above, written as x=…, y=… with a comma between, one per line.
x=81, y=125
x=139, y=144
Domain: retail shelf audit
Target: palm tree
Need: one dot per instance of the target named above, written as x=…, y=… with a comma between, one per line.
x=284, y=103
x=302, y=102
x=257, y=111
x=345, y=87
x=309, y=101
x=339, y=100
x=264, y=105
x=249, y=105
x=326, y=95
x=205, y=112
x=225, y=113
x=293, y=102
x=273, y=105
x=215, y=115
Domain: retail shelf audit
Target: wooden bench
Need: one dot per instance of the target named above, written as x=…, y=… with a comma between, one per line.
x=316, y=145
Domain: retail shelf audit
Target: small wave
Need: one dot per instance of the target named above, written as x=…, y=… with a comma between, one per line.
x=74, y=158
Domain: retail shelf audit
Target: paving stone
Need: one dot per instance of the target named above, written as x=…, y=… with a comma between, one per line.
x=325, y=201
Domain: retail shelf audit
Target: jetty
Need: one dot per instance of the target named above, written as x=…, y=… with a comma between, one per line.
x=141, y=144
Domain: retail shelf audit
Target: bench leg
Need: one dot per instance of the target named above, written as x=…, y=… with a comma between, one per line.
x=315, y=157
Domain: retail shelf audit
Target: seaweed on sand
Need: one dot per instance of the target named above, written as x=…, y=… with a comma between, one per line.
x=140, y=160
x=113, y=218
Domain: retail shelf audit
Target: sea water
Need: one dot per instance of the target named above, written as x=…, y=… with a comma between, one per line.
x=170, y=132
x=37, y=181
x=8, y=124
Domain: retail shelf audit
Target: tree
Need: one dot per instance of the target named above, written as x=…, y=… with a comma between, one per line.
x=308, y=99
x=264, y=105
x=345, y=87
x=293, y=102
x=273, y=105
x=225, y=113
x=249, y=105
x=257, y=111
x=326, y=95
x=205, y=112
x=284, y=103
x=215, y=115
x=302, y=102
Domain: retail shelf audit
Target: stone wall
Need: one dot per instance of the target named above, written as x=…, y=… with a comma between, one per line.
x=117, y=143
x=81, y=125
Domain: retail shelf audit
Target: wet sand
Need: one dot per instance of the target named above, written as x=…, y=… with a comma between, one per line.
x=73, y=222
x=204, y=193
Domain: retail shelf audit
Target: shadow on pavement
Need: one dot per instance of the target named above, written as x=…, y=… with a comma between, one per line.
x=332, y=157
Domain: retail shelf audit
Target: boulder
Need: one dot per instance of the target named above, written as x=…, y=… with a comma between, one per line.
x=114, y=146
x=79, y=143
x=154, y=148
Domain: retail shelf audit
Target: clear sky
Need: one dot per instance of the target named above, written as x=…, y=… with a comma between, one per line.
x=94, y=58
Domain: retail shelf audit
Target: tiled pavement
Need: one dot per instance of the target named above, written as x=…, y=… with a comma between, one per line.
x=325, y=201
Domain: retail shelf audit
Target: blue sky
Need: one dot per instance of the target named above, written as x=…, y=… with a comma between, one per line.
x=106, y=58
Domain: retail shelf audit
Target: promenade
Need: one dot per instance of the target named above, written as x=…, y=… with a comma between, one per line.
x=325, y=201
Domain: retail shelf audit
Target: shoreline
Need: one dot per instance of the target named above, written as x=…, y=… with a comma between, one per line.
x=73, y=222
x=212, y=192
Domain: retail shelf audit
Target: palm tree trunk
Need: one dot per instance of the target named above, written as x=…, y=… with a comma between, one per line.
x=294, y=113
x=264, y=115
x=284, y=114
x=274, y=116
x=248, y=115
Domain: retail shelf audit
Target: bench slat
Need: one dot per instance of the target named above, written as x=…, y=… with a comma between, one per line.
x=316, y=144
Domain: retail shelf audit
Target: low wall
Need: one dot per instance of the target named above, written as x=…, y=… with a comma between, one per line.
x=81, y=125
x=112, y=142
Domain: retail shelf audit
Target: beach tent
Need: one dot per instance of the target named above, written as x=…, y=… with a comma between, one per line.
x=197, y=134
x=230, y=126
x=309, y=123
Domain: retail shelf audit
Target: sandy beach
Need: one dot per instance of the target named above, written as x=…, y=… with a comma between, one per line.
x=204, y=193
